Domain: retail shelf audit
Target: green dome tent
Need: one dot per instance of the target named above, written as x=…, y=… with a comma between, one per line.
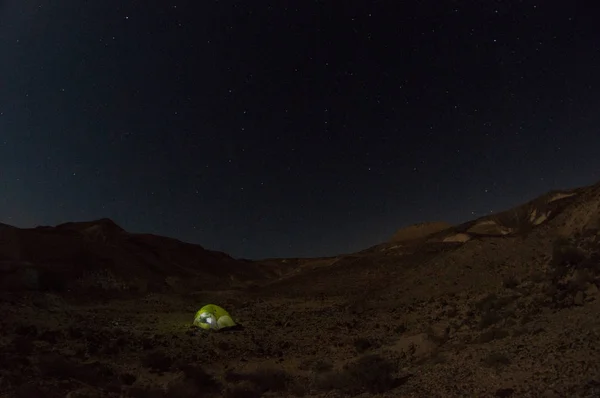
x=213, y=317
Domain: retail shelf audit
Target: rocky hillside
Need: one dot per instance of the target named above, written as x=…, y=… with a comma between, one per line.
x=101, y=255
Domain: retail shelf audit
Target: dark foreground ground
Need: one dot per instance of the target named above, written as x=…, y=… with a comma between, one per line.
x=472, y=320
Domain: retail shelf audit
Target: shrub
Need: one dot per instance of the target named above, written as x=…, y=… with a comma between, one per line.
x=496, y=359
x=322, y=365
x=489, y=318
x=565, y=256
x=490, y=335
x=362, y=344
x=263, y=380
x=201, y=378
x=510, y=282
x=370, y=373
x=158, y=361
x=103, y=280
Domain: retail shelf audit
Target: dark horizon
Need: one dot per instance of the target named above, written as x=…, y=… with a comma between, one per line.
x=308, y=257
x=291, y=130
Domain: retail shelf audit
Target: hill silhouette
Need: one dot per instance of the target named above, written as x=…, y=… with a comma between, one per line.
x=98, y=254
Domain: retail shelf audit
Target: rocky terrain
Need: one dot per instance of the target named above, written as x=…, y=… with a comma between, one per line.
x=501, y=306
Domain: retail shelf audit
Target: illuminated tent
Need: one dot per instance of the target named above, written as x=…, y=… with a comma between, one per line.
x=213, y=317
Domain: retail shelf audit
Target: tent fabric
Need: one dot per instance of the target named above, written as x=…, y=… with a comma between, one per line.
x=213, y=317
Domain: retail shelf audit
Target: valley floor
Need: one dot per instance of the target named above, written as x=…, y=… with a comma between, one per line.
x=517, y=341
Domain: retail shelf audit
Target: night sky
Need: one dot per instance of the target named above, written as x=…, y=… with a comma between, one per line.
x=292, y=128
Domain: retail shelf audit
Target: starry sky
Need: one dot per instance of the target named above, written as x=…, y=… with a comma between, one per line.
x=292, y=128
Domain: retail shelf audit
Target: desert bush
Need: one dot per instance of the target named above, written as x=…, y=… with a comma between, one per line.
x=487, y=303
x=322, y=365
x=574, y=265
x=184, y=388
x=52, y=281
x=489, y=318
x=157, y=360
x=93, y=374
x=400, y=329
x=490, y=335
x=200, y=377
x=23, y=345
x=496, y=359
x=579, y=280
x=127, y=378
x=537, y=276
x=58, y=367
x=510, y=282
x=362, y=344
x=332, y=380
x=29, y=390
x=148, y=392
x=370, y=373
x=139, y=285
x=565, y=256
x=243, y=390
x=101, y=279
x=492, y=309
x=263, y=380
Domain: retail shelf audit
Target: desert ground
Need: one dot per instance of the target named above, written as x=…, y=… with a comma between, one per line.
x=502, y=306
